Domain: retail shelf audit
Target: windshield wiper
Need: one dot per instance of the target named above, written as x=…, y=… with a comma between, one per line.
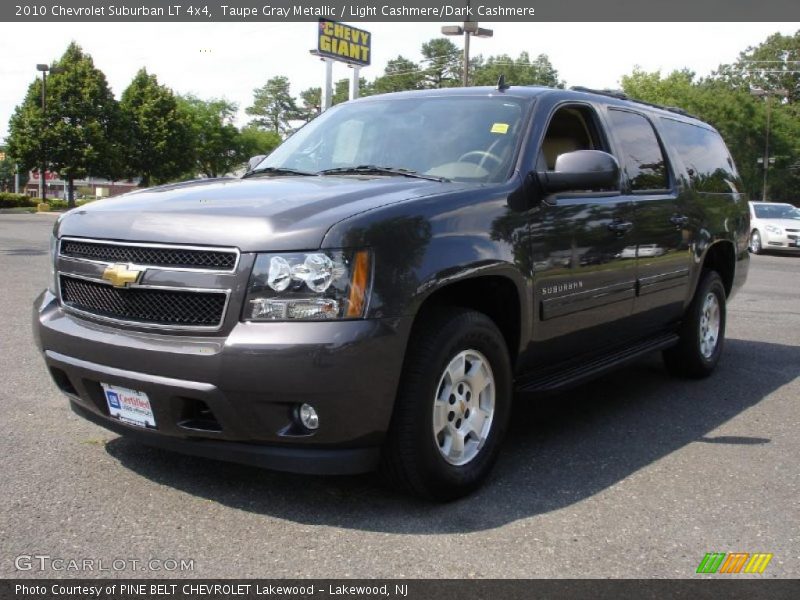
x=376, y=170
x=276, y=171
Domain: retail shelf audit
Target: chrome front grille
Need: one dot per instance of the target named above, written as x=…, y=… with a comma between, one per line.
x=155, y=306
x=164, y=286
x=173, y=257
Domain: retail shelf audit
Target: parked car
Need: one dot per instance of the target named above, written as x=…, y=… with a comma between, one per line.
x=774, y=226
x=373, y=293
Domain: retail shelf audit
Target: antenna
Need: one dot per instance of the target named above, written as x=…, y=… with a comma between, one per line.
x=501, y=83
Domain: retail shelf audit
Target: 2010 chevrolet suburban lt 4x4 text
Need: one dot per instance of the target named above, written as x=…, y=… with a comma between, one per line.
x=374, y=291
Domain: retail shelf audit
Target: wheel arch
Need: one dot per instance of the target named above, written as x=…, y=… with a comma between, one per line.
x=497, y=296
x=721, y=257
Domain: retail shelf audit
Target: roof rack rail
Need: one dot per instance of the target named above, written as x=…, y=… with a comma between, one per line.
x=620, y=95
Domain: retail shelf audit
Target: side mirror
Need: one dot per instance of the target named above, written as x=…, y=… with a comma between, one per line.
x=253, y=162
x=581, y=170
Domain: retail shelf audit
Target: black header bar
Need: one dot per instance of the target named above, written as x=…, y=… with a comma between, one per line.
x=355, y=11
x=703, y=587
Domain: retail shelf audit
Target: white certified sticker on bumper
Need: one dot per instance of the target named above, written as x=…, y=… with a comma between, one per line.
x=129, y=406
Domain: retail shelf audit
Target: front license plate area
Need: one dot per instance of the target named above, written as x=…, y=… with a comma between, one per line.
x=129, y=406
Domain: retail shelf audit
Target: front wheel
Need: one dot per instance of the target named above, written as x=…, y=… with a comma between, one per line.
x=702, y=332
x=755, y=242
x=452, y=407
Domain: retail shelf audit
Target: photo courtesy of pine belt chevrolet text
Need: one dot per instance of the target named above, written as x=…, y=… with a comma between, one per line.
x=375, y=292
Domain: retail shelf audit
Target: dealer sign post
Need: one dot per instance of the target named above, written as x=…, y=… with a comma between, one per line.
x=342, y=43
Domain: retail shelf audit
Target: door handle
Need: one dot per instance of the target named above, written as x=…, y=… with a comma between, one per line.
x=679, y=220
x=620, y=227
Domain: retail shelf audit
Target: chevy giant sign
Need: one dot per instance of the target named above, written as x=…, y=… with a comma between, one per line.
x=345, y=43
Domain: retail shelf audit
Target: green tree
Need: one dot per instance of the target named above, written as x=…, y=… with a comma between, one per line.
x=522, y=71
x=274, y=107
x=79, y=130
x=772, y=65
x=215, y=140
x=400, y=74
x=312, y=102
x=159, y=132
x=256, y=141
x=341, y=91
x=442, y=60
x=7, y=171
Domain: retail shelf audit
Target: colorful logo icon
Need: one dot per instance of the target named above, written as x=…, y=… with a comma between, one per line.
x=734, y=562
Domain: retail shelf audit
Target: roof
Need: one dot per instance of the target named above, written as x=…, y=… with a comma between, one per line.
x=615, y=97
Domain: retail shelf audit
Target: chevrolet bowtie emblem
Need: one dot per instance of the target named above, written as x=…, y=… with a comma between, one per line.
x=122, y=275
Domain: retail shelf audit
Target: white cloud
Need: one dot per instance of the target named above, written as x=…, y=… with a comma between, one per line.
x=230, y=59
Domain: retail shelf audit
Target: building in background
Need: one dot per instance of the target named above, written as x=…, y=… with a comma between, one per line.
x=92, y=187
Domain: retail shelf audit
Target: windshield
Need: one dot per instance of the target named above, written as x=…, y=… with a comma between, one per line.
x=459, y=138
x=776, y=211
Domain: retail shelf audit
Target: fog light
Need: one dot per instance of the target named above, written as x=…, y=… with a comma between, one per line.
x=308, y=417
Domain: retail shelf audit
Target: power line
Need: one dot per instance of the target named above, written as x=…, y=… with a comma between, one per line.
x=512, y=63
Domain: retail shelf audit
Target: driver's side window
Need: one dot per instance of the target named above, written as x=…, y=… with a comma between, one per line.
x=571, y=128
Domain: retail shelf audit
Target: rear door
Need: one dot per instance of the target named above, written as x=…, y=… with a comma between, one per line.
x=663, y=220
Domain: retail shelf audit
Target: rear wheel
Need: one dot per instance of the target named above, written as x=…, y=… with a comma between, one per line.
x=755, y=242
x=452, y=407
x=702, y=332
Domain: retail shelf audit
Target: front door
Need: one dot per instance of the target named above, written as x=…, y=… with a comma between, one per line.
x=584, y=259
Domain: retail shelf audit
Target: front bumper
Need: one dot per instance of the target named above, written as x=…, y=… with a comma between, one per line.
x=784, y=241
x=234, y=397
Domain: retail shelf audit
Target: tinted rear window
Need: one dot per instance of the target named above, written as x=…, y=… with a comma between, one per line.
x=642, y=157
x=704, y=154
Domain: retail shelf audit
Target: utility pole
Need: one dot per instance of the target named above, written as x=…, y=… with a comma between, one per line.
x=468, y=29
x=768, y=95
x=43, y=167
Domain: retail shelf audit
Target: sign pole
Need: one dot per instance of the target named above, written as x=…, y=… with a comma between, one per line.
x=355, y=82
x=327, y=89
x=342, y=43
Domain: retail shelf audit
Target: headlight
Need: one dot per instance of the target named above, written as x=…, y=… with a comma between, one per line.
x=309, y=286
x=51, y=282
x=773, y=229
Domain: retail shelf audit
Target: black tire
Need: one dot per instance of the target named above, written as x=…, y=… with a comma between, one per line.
x=411, y=458
x=688, y=358
x=755, y=242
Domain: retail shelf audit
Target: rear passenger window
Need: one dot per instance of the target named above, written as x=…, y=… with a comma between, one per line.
x=704, y=154
x=642, y=158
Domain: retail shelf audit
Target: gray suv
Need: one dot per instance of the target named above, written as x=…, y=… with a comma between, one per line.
x=375, y=291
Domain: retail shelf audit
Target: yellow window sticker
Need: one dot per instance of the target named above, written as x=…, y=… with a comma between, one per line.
x=500, y=128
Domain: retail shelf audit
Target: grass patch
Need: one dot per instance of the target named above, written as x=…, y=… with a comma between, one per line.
x=17, y=211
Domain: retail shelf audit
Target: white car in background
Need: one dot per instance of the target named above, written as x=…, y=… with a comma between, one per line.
x=774, y=226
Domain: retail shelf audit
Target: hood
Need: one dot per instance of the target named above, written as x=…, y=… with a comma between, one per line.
x=782, y=223
x=253, y=214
